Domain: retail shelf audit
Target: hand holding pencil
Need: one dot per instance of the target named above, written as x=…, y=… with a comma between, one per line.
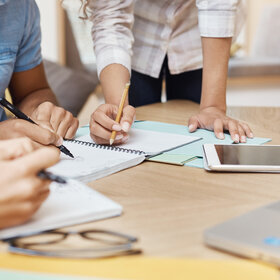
x=120, y=111
x=110, y=123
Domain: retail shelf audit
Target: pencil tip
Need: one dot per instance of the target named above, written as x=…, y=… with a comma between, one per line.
x=111, y=142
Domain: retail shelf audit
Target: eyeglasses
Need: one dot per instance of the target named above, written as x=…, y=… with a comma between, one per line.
x=74, y=244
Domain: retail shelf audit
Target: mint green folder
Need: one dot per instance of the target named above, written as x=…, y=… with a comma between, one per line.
x=172, y=158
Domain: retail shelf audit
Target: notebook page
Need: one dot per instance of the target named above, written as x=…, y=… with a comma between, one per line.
x=67, y=204
x=91, y=163
x=151, y=142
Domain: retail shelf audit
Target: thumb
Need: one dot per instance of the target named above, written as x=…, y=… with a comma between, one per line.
x=36, y=161
x=193, y=124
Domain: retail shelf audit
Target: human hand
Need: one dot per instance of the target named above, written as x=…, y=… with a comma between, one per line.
x=212, y=118
x=11, y=149
x=102, y=123
x=21, y=191
x=56, y=119
x=16, y=128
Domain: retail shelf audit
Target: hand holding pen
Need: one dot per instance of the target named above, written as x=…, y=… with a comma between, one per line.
x=23, y=184
x=26, y=127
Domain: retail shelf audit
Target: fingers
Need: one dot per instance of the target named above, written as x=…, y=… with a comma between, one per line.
x=21, y=199
x=27, y=188
x=36, y=161
x=56, y=119
x=103, y=122
x=17, y=213
x=247, y=130
x=43, y=112
x=64, y=123
x=219, y=129
x=242, y=136
x=57, y=116
x=36, y=133
x=68, y=126
x=213, y=118
x=238, y=131
x=118, y=140
x=233, y=131
x=193, y=124
x=14, y=148
x=127, y=117
x=72, y=129
x=104, y=119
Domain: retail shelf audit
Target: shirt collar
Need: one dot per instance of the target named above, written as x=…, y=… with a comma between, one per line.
x=3, y=2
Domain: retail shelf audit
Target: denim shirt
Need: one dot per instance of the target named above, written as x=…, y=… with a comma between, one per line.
x=20, y=40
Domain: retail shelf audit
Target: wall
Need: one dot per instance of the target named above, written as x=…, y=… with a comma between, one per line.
x=52, y=25
x=255, y=8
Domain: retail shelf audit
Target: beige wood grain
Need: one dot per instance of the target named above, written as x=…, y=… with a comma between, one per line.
x=168, y=207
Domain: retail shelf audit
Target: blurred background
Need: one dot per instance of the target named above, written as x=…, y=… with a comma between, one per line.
x=254, y=70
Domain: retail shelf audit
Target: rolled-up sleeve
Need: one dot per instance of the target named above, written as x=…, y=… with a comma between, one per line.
x=217, y=18
x=112, y=32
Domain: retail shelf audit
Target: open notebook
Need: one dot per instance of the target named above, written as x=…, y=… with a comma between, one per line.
x=68, y=204
x=94, y=161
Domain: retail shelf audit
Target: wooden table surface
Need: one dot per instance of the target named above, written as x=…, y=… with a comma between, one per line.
x=168, y=207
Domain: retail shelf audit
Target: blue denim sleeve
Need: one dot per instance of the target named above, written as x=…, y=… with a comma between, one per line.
x=29, y=53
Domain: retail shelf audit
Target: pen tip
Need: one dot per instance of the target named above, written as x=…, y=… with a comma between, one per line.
x=64, y=150
x=111, y=142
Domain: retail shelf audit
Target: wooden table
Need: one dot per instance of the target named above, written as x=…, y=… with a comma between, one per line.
x=168, y=207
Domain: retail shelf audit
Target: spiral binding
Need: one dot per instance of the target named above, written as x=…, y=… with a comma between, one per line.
x=105, y=147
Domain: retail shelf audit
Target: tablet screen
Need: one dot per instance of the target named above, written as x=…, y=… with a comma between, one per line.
x=248, y=155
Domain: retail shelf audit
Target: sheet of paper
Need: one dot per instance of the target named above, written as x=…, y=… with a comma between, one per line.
x=91, y=163
x=63, y=208
x=151, y=142
x=141, y=268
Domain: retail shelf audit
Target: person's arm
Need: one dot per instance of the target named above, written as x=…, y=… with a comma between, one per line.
x=32, y=94
x=217, y=25
x=112, y=38
x=21, y=191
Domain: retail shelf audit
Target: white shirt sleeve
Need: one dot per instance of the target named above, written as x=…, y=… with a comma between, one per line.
x=112, y=32
x=217, y=18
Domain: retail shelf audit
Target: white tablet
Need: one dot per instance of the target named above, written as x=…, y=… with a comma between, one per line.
x=241, y=158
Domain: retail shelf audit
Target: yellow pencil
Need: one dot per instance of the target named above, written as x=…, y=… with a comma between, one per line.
x=120, y=110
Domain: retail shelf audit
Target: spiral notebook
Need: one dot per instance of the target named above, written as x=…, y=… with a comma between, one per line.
x=93, y=161
x=63, y=208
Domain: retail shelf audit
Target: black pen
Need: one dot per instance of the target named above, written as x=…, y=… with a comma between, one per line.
x=20, y=115
x=49, y=176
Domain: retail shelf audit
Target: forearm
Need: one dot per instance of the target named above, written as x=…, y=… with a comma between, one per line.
x=113, y=79
x=34, y=99
x=216, y=53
